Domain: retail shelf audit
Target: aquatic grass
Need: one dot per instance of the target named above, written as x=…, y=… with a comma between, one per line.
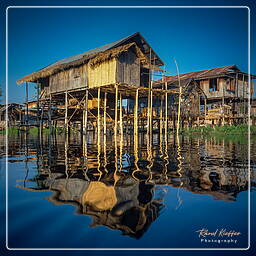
x=220, y=130
x=10, y=131
x=46, y=131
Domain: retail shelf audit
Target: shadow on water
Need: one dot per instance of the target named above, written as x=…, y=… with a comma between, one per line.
x=121, y=182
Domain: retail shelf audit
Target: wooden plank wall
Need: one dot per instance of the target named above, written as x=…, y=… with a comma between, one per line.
x=229, y=90
x=128, y=69
x=74, y=78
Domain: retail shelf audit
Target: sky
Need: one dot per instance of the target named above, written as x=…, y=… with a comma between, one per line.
x=197, y=38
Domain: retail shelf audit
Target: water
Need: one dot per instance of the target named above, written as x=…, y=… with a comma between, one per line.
x=79, y=193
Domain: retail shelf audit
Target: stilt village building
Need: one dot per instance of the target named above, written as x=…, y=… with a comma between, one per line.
x=111, y=88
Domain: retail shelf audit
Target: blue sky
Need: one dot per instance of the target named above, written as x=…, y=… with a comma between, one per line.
x=196, y=38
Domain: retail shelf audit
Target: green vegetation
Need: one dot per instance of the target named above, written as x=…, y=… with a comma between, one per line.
x=11, y=131
x=220, y=130
x=46, y=131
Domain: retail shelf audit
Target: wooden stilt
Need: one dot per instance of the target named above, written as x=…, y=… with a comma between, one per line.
x=85, y=113
x=148, y=114
x=66, y=112
x=38, y=114
x=116, y=109
x=223, y=102
x=105, y=114
x=166, y=110
x=149, y=97
x=180, y=93
x=136, y=113
x=121, y=116
x=26, y=105
x=198, y=118
x=50, y=114
x=151, y=113
x=161, y=117
x=205, y=109
x=98, y=118
x=243, y=102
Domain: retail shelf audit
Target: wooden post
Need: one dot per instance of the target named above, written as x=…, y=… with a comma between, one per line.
x=127, y=117
x=243, y=102
x=85, y=112
x=98, y=128
x=151, y=112
x=198, y=118
x=148, y=114
x=223, y=102
x=149, y=95
x=237, y=85
x=66, y=112
x=37, y=117
x=161, y=116
x=180, y=93
x=50, y=115
x=121, y=116
x=105, y=114
x=136, y=113
x=26, y=105
x=205, y=108
x=166, y=110
x=116, y=109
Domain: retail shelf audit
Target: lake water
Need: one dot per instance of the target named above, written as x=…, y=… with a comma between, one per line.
x=121, y=193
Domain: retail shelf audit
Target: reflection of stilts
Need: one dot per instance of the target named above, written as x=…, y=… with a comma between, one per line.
x=161, y=119
x=26, y=160
x=166, y=158
x=105, y=152
x=179, y=158
x=98, y=156
x=85, y=169
x=135, y=134
x=66, y=154
x=149, y=158
x=105, y=115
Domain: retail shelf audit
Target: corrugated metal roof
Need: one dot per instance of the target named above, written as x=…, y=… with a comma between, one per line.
x=203, y=73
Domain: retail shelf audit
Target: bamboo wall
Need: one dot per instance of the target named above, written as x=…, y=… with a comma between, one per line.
x=102, y=74
x=124, y=69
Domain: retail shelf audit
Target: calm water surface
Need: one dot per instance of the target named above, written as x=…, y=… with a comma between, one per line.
x=78, y=193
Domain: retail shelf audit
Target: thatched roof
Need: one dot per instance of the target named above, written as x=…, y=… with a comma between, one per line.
x=98, y=55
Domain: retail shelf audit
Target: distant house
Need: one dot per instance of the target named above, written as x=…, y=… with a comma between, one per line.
x=225, y=92
x=10, y=114
x=228, y=82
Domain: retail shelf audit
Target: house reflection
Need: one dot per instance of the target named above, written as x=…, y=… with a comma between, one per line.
x=125, y=189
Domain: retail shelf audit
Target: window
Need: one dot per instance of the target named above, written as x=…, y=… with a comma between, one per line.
x=213, y=85
x=230, y=83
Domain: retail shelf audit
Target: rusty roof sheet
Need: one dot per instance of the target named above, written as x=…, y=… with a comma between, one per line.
x=196, y=75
